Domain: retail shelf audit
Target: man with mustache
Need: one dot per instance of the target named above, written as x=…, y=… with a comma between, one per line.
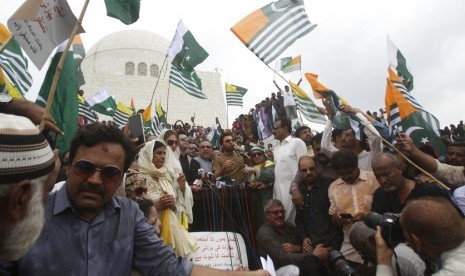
x=395, y=190
x=89, y=231
x=26, y=172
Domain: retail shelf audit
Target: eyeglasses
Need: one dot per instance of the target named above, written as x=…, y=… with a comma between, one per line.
x=194, y=149
x=85, y=168
x=255, y=154
x=172, y=142
x=277, y=212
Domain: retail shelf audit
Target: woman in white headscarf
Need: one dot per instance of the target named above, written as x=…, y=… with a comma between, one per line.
x=168, y=191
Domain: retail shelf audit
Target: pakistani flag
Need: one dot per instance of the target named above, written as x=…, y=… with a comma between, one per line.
x=410, y=117
x=79, y=54
x=103, y=103
x=399, y=64
x=159, y=120
x=306, y=106
x=127, y=11
x=216, y=133
x=85, y=111
x=234, y=94
x=184, y=54
x=122, y=114
x=65, y=105
x=269, y=31
x=14, y=64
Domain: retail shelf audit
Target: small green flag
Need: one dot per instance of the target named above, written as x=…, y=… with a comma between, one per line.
x=127, y=11
x=398, y=62
x=103, y=103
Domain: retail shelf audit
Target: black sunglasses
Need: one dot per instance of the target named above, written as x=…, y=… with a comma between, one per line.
x=85, y=168
x=194, y=149
x=277, y=212
x=172, y=142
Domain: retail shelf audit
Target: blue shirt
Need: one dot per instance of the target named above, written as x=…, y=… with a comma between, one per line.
x=115, y=241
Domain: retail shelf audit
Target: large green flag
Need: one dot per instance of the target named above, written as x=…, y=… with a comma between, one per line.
x=184, y=54
x=103, y=102
x=13, y=62
x=127, y=11
x=398, y=62
x=65, y=105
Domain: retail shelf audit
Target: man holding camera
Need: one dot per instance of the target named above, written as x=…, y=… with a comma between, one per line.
x=396, y=190
x=435, y=230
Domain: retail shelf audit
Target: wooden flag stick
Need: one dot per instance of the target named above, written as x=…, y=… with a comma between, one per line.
x=56, y=77
x=159, y=76
x=440, y=184
x=7, y=41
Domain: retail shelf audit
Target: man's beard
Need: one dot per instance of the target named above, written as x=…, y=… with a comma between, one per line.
x=16, y=240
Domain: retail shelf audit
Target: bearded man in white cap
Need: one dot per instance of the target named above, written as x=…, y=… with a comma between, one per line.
x=26, y=173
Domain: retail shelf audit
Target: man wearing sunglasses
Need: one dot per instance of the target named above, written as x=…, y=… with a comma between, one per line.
x=190, y=167
x=281, y=241
x=89, y=231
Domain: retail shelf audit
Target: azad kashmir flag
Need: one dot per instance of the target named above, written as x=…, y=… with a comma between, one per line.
x=85, y=112
x=184, y=54
x=306, y=106
x=410, y=117
x=147, y=119
x=159, y=120
x=341, y=120
x=79, y=54
x=269, y=31
x=293, y=65
x=399, y=64
x=122, y=114
x=40, y=26
x=127, y=11
x=234, y=94
x=103, y=103
x=15, y=65
x=7, y=88
x=65, y=105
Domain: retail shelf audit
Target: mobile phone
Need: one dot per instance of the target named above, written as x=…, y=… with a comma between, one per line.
x=51, y=137
x=136, y=127
x=346, y=215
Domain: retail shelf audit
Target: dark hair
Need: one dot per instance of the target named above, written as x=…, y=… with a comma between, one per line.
x=224, y=135
x=344, y=159
x=336, y=132
x=300, y=129
x=286, y=122
x=145, y=205
x=93, y=134
x=168, y=133
x=157, y=145
x=317, y=138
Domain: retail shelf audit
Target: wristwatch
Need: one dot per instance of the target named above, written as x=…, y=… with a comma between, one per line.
x=5, y=99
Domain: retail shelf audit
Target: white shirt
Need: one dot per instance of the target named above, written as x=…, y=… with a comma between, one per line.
x=453, y=262
x=364, y=157
x=286, y=158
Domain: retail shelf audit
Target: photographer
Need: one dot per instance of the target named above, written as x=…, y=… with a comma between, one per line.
x=396, y=190
x=435, y=230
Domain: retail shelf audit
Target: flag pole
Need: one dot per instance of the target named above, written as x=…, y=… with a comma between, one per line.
x=370, y=127
x=227, y=115
x=7, y=41
x=167, y=101
x=56, y=77
x=158, y=80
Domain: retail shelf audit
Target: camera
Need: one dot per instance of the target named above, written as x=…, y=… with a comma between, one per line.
x=390, y=226
x=339, y=265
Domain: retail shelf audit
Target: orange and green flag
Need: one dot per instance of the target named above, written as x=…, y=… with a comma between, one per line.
x=293, y=65
x=405, y=113
x=147, y=119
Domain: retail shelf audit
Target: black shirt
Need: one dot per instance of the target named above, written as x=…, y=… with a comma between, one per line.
x=388, y=202
x=313, y=220
x=190, y=169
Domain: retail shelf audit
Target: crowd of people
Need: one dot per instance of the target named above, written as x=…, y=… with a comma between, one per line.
x=333, y=202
